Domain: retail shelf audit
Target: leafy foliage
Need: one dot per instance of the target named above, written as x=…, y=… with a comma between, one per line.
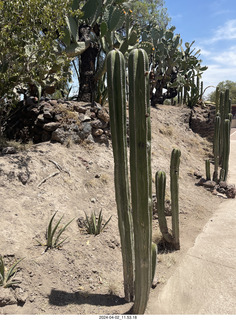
x=223, y=85
x=173, y=67
x=30, y=53
x=7, y=278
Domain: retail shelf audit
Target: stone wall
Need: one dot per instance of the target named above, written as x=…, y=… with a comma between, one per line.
x=59, y=121
x=202, y=120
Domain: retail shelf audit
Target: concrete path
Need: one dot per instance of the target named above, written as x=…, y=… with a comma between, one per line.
x=205, y=281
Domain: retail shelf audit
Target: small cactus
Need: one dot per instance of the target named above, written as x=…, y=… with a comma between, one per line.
x=216, y=147
x=174, y=188
x=160, y=182
x=226, y=148
x=208, y=172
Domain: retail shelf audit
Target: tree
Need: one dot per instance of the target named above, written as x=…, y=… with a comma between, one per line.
x=149, y=14
x=31, y=58
x=223, y=85
x=105, y=25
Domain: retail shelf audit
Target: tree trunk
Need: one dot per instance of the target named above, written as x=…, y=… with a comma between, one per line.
x=87, y=85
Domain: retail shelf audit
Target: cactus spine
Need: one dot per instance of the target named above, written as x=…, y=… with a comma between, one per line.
x=117, y=108
x=140, y=174
x=160, y=181
x=174, y=188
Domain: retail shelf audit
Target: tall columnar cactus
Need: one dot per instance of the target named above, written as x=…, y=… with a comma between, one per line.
x=225, y=114
x=217, y=99
x=117, y=108
x=216, y=147
x=139, y=120
x=226, y=148
x=174, y=188
x=160, y=181
x=208, y=171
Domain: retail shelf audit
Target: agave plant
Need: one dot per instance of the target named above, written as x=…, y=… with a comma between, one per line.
x=93, y=224
x=7, y=277
x=53, y=234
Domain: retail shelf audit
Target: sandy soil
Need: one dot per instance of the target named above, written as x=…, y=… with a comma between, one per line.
x=85, y=276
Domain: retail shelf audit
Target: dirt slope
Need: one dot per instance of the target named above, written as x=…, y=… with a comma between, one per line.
x=85, y=275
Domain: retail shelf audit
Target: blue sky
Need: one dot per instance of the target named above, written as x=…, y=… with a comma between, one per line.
x=212, y=24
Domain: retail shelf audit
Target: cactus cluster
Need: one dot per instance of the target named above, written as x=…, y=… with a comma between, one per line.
x=138, y=252
x=221, y=143
x=160, y=194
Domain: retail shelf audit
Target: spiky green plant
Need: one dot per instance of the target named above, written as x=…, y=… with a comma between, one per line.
x=226, y=148
x=140, y=172
x=174, y=188
x=93, y=224
x=7, y=277
x=140, y=167
x=216, y=147
x=154, y=260
x=53, y=234
x=160, y=181
x=117, y=110
x=208, y=171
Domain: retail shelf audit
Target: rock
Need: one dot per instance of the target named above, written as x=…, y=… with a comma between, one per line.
x=35, y=111
x=23, y=177
x=58, y=117
x=103, y=115
x=221, y=190
x=230, y=193
x=81, y=107
x=48, y=114
x=201, y=182
x=86, y=128
x=53, y=102
x=198, y=174
x=59, y=135
x=9, y=150
x=90, y=139
x=86, y=118
x=209, y=184
x=97, y=132
x=97, y=124
x=7, y=297
x=51, y=126
x=44, y=104
x=222, y=195
x=223, y=184
x=21, y=296
x=102, y=139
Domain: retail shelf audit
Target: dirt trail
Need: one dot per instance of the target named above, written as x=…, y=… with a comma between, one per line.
x=205, y=280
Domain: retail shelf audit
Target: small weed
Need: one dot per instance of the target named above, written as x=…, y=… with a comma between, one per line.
x=53, y=234
x=93, y=224
x=7, y=278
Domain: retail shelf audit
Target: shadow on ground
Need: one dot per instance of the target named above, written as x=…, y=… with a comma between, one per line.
x=62, y=298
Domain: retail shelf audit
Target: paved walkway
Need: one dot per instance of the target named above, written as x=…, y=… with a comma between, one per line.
x=205, y=281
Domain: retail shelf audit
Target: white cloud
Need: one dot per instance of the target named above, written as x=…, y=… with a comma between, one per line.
x=227, y=57
x=216, y=73
x=225, y=32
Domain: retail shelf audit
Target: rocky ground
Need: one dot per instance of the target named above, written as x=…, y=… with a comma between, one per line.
x=85, y=276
